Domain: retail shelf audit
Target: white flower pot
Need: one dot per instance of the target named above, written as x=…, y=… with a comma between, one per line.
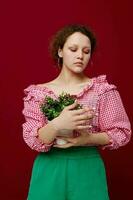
x=60, y=141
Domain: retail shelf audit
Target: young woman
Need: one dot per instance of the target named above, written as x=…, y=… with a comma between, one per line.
x=73, y=170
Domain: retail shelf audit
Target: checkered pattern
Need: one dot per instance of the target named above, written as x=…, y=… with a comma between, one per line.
x=111, y=116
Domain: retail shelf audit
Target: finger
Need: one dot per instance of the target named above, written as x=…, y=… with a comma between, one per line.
x=83, y=127
x=72, y=105
x=83, y=110
x=79, y=111
x=82, y=117
x=89, y=108
x=84, y=131
x=85, y=116
x=81, y=122
x=68, y=139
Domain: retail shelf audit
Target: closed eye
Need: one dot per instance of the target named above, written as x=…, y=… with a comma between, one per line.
x=87, y=52
x=73, y=50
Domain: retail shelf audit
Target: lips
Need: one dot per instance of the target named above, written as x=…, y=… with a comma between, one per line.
x=79, y=63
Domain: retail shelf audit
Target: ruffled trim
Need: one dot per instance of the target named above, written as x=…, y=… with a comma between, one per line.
x=39, y=92
x=85, y=89
x=100, y=78
x=36, y=92
x=110, y=145
x=35, y=88
x=34, y=142
x=102, y=84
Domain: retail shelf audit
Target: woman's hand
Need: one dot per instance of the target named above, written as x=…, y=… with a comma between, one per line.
x=70, y=119
x=100, y=138
x=81, y=140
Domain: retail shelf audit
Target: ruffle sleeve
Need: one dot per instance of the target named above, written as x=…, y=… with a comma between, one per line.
x=34, y=119
x=113, y=118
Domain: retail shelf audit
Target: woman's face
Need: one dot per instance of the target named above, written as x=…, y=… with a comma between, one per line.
x=76, y=52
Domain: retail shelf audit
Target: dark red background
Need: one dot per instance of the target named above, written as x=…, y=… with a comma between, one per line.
x=26, y=27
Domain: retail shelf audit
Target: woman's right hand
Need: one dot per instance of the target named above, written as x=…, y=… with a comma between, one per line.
x=70, y=119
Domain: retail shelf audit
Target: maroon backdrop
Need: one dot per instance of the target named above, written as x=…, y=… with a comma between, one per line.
x=26, y=27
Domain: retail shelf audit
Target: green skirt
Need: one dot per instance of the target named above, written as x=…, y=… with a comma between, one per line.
x=69, y=174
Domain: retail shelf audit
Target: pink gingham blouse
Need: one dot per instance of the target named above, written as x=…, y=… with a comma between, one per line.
x=110, y=116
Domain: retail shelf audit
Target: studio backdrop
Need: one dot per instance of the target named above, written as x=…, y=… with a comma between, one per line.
x=26, y=29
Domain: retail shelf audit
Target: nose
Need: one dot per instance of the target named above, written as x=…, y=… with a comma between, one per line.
x=80, y=55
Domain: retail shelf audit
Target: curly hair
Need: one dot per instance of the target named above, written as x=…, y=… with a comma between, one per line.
x=61, y=36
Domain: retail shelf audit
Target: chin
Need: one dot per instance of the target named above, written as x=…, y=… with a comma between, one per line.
x=77, y=71
x=81, y=68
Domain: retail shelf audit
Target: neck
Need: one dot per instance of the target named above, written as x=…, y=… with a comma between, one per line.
x=70, y=78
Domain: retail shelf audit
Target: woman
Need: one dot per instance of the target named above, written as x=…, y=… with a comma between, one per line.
x=73, y=170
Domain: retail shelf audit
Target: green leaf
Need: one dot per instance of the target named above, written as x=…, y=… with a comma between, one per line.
x=52, y=108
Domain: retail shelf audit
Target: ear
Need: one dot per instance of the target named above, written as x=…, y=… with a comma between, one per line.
x=60, y=53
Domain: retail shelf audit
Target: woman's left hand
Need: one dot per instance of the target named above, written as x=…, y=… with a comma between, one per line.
x=81, y=140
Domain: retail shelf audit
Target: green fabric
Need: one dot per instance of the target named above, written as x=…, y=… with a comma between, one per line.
x=76, y=173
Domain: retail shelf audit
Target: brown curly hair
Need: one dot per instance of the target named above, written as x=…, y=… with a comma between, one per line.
x=61, y=36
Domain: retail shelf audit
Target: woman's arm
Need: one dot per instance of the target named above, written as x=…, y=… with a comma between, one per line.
x=47, y=133
x=86, y=139
x=113, y=119
x=100, y=138
x=115, y=128
x=37, y=132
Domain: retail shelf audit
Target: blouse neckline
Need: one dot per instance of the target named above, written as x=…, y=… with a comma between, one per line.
x=51, y=91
